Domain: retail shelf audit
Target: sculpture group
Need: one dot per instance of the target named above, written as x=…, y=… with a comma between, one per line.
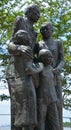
x=34, y=75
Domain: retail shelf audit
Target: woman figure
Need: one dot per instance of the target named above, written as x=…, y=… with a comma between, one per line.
x=24, y=90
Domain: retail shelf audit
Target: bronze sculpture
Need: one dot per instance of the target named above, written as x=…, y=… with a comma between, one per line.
x=16, y=48
x=25, y=23
x=47, y=99
x=24, y=90
x=55, y=46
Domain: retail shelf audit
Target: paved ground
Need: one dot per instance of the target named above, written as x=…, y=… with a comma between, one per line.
x=8, y=128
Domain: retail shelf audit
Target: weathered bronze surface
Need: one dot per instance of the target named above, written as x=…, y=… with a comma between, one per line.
x=35, y=88
x=55, y=46
x=32, y=14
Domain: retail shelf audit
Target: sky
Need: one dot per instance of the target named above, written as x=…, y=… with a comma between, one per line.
x=4, y=109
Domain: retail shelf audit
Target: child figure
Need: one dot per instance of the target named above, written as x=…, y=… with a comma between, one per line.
x=47, y=99
x=24, y=90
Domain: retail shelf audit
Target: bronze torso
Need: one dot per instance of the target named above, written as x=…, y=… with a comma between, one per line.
x=46, y=89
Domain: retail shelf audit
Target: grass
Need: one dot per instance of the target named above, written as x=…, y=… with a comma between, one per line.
x=67, y=124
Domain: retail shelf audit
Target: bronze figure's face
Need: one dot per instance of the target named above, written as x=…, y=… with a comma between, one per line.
x=46, y=30
x=22, y=38
x=33, y=13
x=45, y=56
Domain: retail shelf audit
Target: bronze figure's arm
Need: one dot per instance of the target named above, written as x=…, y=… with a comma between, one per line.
x=60, y=56
x=34, y=68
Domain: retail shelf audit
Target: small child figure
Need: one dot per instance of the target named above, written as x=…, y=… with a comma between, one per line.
x=47, y=99
x=24, y=90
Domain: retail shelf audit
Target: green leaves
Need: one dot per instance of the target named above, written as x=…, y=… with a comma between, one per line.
x=7, y=15
x=4, y=97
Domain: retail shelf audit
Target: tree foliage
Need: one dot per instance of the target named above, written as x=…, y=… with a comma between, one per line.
x=56, y=11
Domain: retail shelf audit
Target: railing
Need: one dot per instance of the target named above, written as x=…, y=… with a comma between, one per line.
x=10, y=115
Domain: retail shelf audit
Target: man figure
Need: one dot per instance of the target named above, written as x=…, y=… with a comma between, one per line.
x=32, y=15
x=55, y=46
